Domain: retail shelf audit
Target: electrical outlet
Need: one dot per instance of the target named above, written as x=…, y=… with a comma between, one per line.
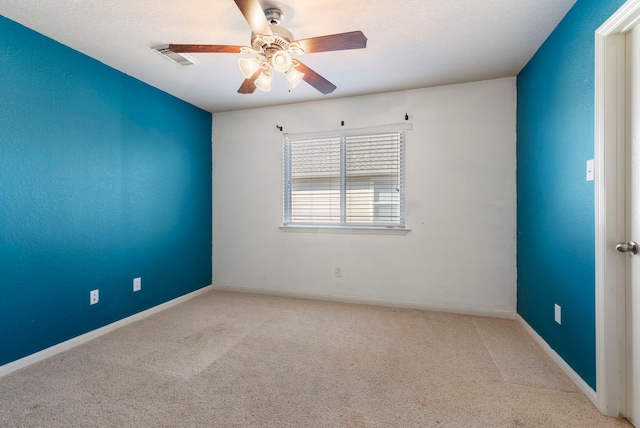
x=338, y=272
x=137, y=284
x=558, y=313
x=94, y=296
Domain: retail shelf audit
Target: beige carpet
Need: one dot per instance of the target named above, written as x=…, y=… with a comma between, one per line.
x=238, y=360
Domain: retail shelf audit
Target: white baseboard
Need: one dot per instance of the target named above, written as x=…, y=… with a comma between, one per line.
x=368, y=301
x=79, y=340
x=575, y=377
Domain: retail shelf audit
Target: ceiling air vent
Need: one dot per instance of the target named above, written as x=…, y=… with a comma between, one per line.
x=178, y=58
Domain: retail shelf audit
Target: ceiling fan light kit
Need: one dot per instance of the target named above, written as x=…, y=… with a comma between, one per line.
x=248, y=66
x=281, y=61
x=274, y=46
x=263, y=82
x=293, y=76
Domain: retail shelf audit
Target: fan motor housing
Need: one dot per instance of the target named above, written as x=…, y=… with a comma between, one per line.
x=280, y=40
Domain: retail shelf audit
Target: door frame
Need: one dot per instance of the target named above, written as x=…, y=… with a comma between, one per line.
x=610, y=111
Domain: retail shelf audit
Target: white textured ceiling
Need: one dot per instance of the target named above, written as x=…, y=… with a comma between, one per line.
x=411, y=43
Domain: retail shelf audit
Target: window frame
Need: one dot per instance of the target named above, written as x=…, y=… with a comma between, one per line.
x=343, y=225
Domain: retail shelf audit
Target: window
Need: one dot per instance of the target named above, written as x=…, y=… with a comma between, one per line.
x=345, y=180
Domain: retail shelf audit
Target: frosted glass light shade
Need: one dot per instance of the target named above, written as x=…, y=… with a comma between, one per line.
x=248, y=66
x=281, y=61
x=263, y=82
x=294, y=77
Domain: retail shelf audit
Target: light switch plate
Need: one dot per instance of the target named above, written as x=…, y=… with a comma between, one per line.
x=590, y=170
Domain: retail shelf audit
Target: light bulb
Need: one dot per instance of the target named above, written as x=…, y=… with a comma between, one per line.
x=263, y=82
x=248, y=66
x=293, y=76
x=281, y=61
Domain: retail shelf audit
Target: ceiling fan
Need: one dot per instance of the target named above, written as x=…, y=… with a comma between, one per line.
x=274, y=46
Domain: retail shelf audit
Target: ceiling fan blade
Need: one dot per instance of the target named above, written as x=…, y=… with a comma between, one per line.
x=315, y=80
x=334, y=42
x=249, y=86
x=204, y=48
x=254, y=15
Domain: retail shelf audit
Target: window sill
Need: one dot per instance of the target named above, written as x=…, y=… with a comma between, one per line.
x=346, y=229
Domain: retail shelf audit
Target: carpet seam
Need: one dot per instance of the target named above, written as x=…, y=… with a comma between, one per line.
x=493, y=359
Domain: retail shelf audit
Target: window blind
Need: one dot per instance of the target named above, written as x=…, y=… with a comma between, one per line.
x=346, y=179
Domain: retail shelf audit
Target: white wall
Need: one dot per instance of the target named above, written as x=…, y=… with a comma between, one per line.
x=460, y=202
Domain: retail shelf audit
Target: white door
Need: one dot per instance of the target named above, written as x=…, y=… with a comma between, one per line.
x=633, y=224
x=618, y=212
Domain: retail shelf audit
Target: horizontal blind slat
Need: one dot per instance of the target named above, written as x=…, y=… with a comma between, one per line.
x=373, y=177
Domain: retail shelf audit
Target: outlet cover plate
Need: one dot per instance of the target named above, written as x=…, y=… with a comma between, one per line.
x=137, y=284
x=557, y=313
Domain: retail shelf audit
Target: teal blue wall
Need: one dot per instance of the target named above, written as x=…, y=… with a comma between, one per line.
x=102, y=179
x=556, y=232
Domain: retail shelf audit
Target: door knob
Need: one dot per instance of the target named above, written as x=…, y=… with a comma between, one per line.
x=627, y=247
